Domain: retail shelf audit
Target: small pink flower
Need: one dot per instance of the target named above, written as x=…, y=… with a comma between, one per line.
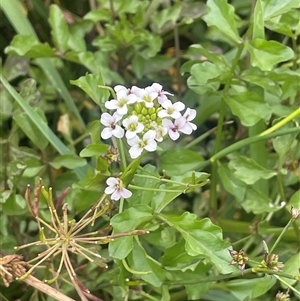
x=116, y=189
x=111, y=129
x=179, y=125
x=189, y=115
x=162, y=95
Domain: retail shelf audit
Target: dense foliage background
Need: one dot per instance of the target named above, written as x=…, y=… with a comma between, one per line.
x=236, y=63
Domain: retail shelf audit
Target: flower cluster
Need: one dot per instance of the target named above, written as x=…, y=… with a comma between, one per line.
x=145, y=117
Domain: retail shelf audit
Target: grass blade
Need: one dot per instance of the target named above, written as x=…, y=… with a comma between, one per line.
x=15, y=13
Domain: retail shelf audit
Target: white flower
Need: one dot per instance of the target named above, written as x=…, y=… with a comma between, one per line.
x=138, y=145
x=133, y=126
x=116, y=189
x=111, y=129
x=159, y=130
x=179, y=125
x=155, y=87
x=119, y=88
x=120, y=104
x=146, y=96
x=189, y=115
x=171, y=110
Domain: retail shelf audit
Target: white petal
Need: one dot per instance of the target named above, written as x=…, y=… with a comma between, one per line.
x=111, y=181
x=151, y=146
x=178, y=106
x=122, y=110
x=135, y=151
x=130, y=134
x=134, y=141
x=190, y=114
x=156, y=87
x=118, y=132
x=163, y=114
x=149, y=135
x=186, y=129
x=106, y=133
x=168, y=124
x=116, y=195
x=119, y=88
x=173, y=135
x=125, y=193
x=175, y=114
x=180, y=122
x=111, y=104
x=193, y=126
x=107, y=119
x=132, y=98
x=166, y=104
x=109, y=190
x=117, y=117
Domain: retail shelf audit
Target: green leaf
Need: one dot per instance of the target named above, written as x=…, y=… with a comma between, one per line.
x=232, y=184
x=15, y=13
x=273, y=8
x=221, y=15
x=94, y=150
x=250, y=288
x=205, y=77
x=140, y=261
x=291, y=267
x=177, y=257
x=197, y=52
x=81, y=199
x=167, y=15
x=90, y=84
x=262, y=79
x=31, y=130
x=202, y=238
x=283, y=144
x=248, y=171
x=287, y=25
x=258, y=21
x=179, y=161
x=39, y=122
x=28, y=46
x=295, y=200
x=128, y=220
x=144, y=196
x=249, y=107
x=31, y=94
x=15, y=205
x=266, y=54
x=257, y=202
x=60, y=30
x=70, y=161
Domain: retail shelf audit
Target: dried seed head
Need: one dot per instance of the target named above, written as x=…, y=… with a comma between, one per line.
x=11, y=266
x=271, y=262
x=239, y=258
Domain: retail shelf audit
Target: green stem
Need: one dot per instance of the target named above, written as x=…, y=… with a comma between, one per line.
x=288, y=285
x=134, y=187
x=187, y=185
x=214, y=172
x=281, y=123
x=251, y=140
x=281, y=235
